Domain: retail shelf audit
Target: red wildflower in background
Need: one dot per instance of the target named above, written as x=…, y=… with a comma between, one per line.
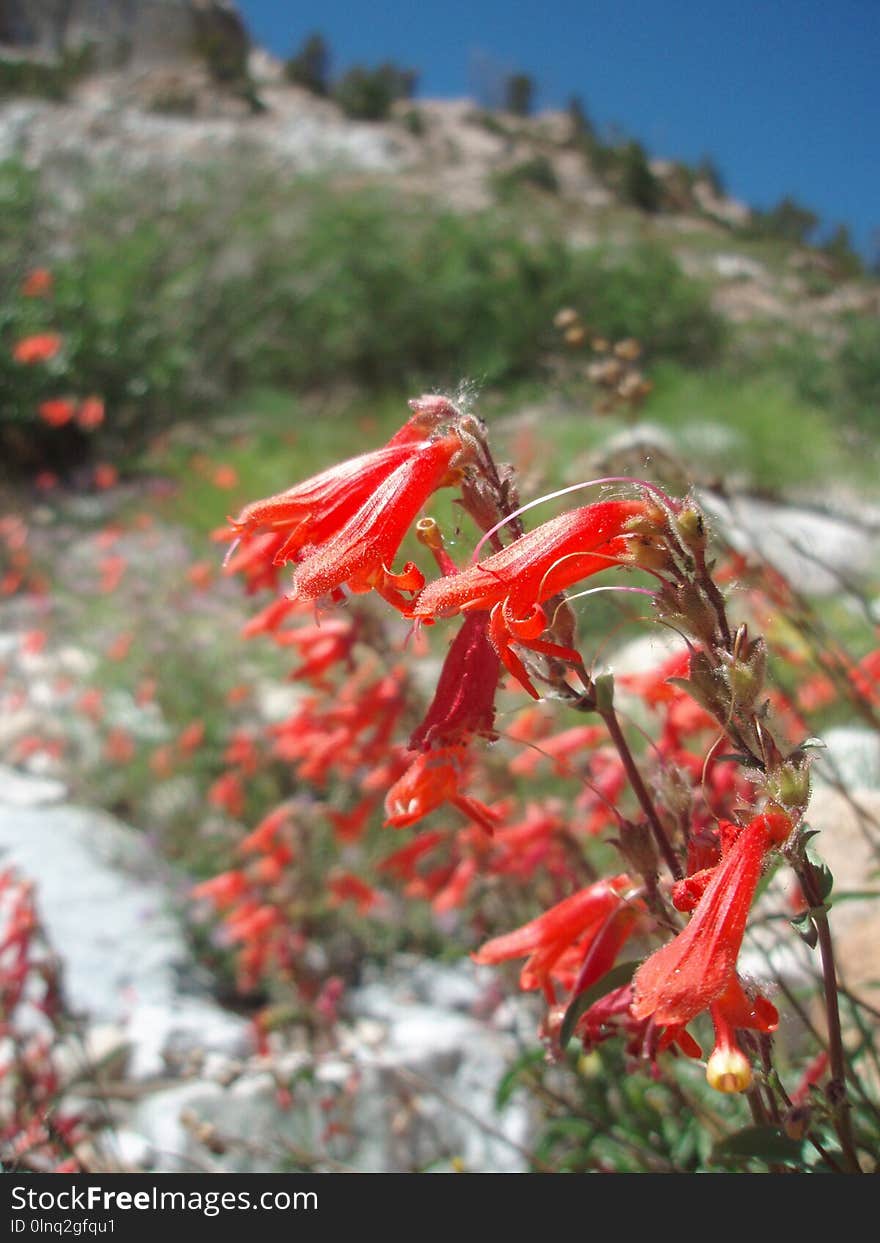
x=90, y=414
x=105, y=476
x=346, y=887
x=565, y=935
x=56, y=411
x=37, y=283
x=38, y=348
x=430, y=781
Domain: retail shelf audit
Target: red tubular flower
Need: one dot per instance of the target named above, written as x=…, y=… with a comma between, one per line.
x=360, y=552
x=512, y=584
x=464, y=701
x=312, y=511
x=687, y=975
x=568, y=931
x=309, y=511
x=429, y=782
x=346, y=887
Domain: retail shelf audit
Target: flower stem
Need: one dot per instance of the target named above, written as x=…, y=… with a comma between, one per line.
x=837, y=1090
x=609, y=716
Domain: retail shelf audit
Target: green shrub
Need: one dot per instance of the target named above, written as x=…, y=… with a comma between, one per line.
x=642, y=292
x=414, y=122
x=48, y=79
x=858, y=374
x=367, y=94
x=638, y=185
x=537, y=171
x=310, y=66
x=788, y=221
x=519, y=94
x=169, y=307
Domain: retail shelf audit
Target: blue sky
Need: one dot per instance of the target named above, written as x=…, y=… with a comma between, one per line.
x=782, y=94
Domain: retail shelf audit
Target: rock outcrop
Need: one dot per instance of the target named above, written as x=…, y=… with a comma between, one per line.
x=122, y=31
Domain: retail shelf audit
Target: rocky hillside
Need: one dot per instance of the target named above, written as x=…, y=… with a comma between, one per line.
x=173, y=84
x=133, y=32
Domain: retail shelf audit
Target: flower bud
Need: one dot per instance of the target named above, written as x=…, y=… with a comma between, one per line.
x=728, y=1070
x=796, y=1122
x=691, y=528
x=789, y=785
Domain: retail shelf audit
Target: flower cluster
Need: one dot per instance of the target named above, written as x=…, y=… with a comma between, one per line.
x=37, y=1132
x=696, y=826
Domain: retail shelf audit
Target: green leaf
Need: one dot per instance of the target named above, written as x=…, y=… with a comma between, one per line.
x=686, y=685
x=615, y=978
x=812, y=744
x=805, y=928
x=823, y=873
x=604, y=692
x=510, y=1080
x=764, y=1143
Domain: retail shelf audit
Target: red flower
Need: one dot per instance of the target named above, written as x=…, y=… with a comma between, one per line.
x=359, y=553
x=105, y=476
x=37, y=349
x=346, y=887
x=311, y=511
x=512, y=584
x=90, y=414
x=597, y=918
x=728, y=1069
x=37, y=283
x=429, y=782
x=464, y=701
x=56, y=411
x=697, y=967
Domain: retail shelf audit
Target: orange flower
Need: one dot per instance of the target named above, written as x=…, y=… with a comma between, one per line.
x=105, y=476
x=191, y=738
x=37, y=349
x=119, y=747
x=429, y=782
x=201, y=574
x=37, y=283
x=225, y=477
x=121, y=646
x=112, y=570
x=90, y=414
x=56, y=411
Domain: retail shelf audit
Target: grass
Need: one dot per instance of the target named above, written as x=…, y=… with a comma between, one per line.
x=759, y=429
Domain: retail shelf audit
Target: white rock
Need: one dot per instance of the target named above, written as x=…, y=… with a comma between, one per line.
x=105, y=903
x=851, y=756
x=818, y=553
x=18, y=790
x=738, y=268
